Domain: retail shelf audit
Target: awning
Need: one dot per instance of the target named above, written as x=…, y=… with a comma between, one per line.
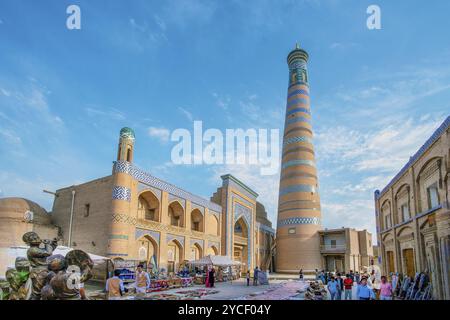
x=222, y=261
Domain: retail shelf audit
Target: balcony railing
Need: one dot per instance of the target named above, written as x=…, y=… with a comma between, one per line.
x=333, y=248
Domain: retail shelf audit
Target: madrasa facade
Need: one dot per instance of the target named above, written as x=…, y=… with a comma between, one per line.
x=133, y=215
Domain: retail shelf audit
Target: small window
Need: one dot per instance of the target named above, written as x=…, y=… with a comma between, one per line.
x=405, y=212
x=150, y=214
x=129, y=155
x=87, y=208
x=291, y=231
x=333, y=243
x=196, y=226
x=387, y=221
x=433, y=196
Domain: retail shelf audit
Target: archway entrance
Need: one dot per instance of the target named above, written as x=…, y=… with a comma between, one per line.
x=213, y=251
x=408, y=260
x=196, y=252
x=390, y=261
x=240, y=247
x=174, y=256
x=148, y=252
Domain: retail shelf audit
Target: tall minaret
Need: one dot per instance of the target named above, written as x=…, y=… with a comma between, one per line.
x=299, y=217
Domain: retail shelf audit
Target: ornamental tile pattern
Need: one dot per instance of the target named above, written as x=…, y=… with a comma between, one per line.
x=139, y=232
x=173, y=198
x=297, y=163
x=143, y=187
x=171, y=237
x=297, y=139
x=146, y=178
x=297, y=119
x=299, y=220
x=297, y=188
x=156, y=226
x=121, y=193
x=196, y=206
x=200, y=242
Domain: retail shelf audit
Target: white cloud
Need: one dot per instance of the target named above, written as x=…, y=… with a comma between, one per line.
x=265, y=186
x=358, y=214
x=162, y=134
x=385, y=149
x=186, y=113
x=110, y=113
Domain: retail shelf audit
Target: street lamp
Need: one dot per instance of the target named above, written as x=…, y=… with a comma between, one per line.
x=71, y=212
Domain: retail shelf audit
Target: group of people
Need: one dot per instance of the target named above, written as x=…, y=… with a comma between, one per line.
x=115, y=288
x=256, y=272
x=368, y=286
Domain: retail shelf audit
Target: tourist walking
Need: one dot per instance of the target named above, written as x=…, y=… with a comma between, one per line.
x=255, y=276
x=364, y=292
x=114, y=287
x=352, y=275
x=142, y=280
x=357, y=277
x=348, y=287
x=340, y=287
x=248, y=278
x=301, y=274
x=332, y=288
x=322, y=276
x=385, y=289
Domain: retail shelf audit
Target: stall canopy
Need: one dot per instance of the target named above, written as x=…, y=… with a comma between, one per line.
x=221, y=261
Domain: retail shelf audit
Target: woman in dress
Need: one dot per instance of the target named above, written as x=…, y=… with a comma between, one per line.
x=207, y=285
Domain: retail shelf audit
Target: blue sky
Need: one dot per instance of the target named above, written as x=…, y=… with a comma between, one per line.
x=156, y=66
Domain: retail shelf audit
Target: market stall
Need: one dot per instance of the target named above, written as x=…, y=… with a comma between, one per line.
x=225, y=268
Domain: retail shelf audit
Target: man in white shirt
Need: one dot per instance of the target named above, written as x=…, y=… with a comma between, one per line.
x=142, y=282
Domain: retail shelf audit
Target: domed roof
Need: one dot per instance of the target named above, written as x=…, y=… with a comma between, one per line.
x=23, y=209
x=127, y=133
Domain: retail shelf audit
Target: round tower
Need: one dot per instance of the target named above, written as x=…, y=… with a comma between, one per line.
x=299, y=216
x=122, y=191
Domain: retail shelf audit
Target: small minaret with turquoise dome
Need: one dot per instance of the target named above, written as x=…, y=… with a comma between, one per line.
x=123, y=191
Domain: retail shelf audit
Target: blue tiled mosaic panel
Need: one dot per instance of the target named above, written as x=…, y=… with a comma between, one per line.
x=304, y=110
x=241, y=211
x=297, y=139
x=297, y=119
x=195, y=206
x=298, y=101
x=297, y=64
x=144, y=232
x=297, y=188
x=121, y=193
x=299, y=220
x=213, y=243
x=300, y=91
x=200, y=242
x=297, y=163
x=175, y=198
x=144, y=187
x=171, y=237
x=144, y=177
